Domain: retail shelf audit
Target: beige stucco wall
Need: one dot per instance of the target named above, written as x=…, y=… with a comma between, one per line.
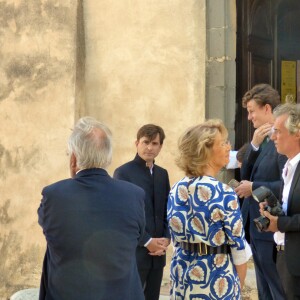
x=144, y=62
x=37, y=75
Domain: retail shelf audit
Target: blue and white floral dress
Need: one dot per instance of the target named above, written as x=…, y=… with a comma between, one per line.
x=202, y=209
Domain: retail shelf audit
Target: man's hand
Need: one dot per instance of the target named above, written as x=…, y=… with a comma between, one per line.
x=158, y=246
x=260, y=133
x=273, y=219
x=262, y=206
x=273, y=222
x=166, y=242
x=244, y=190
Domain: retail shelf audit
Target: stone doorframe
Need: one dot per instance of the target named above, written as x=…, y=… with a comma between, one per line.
x=220, y=64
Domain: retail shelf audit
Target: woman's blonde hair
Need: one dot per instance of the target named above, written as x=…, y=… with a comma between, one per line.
x=195, y=146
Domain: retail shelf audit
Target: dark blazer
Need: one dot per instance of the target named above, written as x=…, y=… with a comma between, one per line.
x=157, y=188
x=92, y=225
x=262, y=167
x=290, y=224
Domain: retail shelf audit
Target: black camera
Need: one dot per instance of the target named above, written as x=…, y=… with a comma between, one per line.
x=263, y=194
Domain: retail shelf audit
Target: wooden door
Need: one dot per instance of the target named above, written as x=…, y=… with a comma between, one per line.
x=267, y=33
x=255, y=56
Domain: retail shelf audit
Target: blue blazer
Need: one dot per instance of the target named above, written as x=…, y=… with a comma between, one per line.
x=92, y=225
x=262, y=167
x=157, y=188
x=290, y=224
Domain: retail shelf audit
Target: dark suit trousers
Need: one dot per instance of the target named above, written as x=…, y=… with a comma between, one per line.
x=151, y=282
x=268, y=281
x=291, y=284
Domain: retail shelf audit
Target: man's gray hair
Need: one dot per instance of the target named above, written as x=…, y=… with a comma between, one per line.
x=292, y=110
x=92, y=147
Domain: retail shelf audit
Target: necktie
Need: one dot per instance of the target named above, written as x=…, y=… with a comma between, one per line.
x=264, y=143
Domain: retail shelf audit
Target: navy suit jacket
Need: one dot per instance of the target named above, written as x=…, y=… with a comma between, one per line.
x=262, y=167
x=157, y=188
x=92, y=225
x=290, y=224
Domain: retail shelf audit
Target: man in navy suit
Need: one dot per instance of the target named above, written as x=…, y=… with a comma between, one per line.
x=286, y=136
x=262, y=166
x=151, y=252
x=92, y=224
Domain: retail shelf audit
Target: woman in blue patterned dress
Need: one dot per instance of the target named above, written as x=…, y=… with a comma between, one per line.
x=211, y=253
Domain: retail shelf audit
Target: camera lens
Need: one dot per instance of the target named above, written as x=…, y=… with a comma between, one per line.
x=261, y=223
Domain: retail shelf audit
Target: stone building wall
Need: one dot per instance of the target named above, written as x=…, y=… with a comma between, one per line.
x=145, y=63
x=37, y=76
x=126, y=63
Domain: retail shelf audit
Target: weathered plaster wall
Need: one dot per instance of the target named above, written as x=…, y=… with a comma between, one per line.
x=145, y=63
x=37, y=71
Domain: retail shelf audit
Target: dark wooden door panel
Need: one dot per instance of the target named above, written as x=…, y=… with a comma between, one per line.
x=267, y=33
x=261, y=70
x=255, y=56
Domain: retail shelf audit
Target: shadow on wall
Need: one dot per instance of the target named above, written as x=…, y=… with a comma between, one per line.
x=19, y=268
x=36, y=76
x=31, y=25
x=16, y=159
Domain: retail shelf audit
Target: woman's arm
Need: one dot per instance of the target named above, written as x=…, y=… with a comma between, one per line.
x=241, y=270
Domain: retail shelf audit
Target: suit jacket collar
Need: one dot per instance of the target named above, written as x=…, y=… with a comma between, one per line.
x=141, y=162
x=293, y=185
x=261, y=155
x=92, y=171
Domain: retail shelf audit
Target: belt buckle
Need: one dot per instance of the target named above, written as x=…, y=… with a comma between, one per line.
x=205, y=252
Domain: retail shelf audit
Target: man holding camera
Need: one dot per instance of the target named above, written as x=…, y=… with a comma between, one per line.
x=271, y=204
x=286, y=136
x=262, y=166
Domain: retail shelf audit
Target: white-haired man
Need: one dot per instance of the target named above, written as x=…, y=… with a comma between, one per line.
x=286, y=136
x=91, y=234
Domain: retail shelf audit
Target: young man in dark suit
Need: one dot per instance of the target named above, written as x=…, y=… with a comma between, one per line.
x=286, y=136
x=151, y=252
x=262, y=166
x=91, y=234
